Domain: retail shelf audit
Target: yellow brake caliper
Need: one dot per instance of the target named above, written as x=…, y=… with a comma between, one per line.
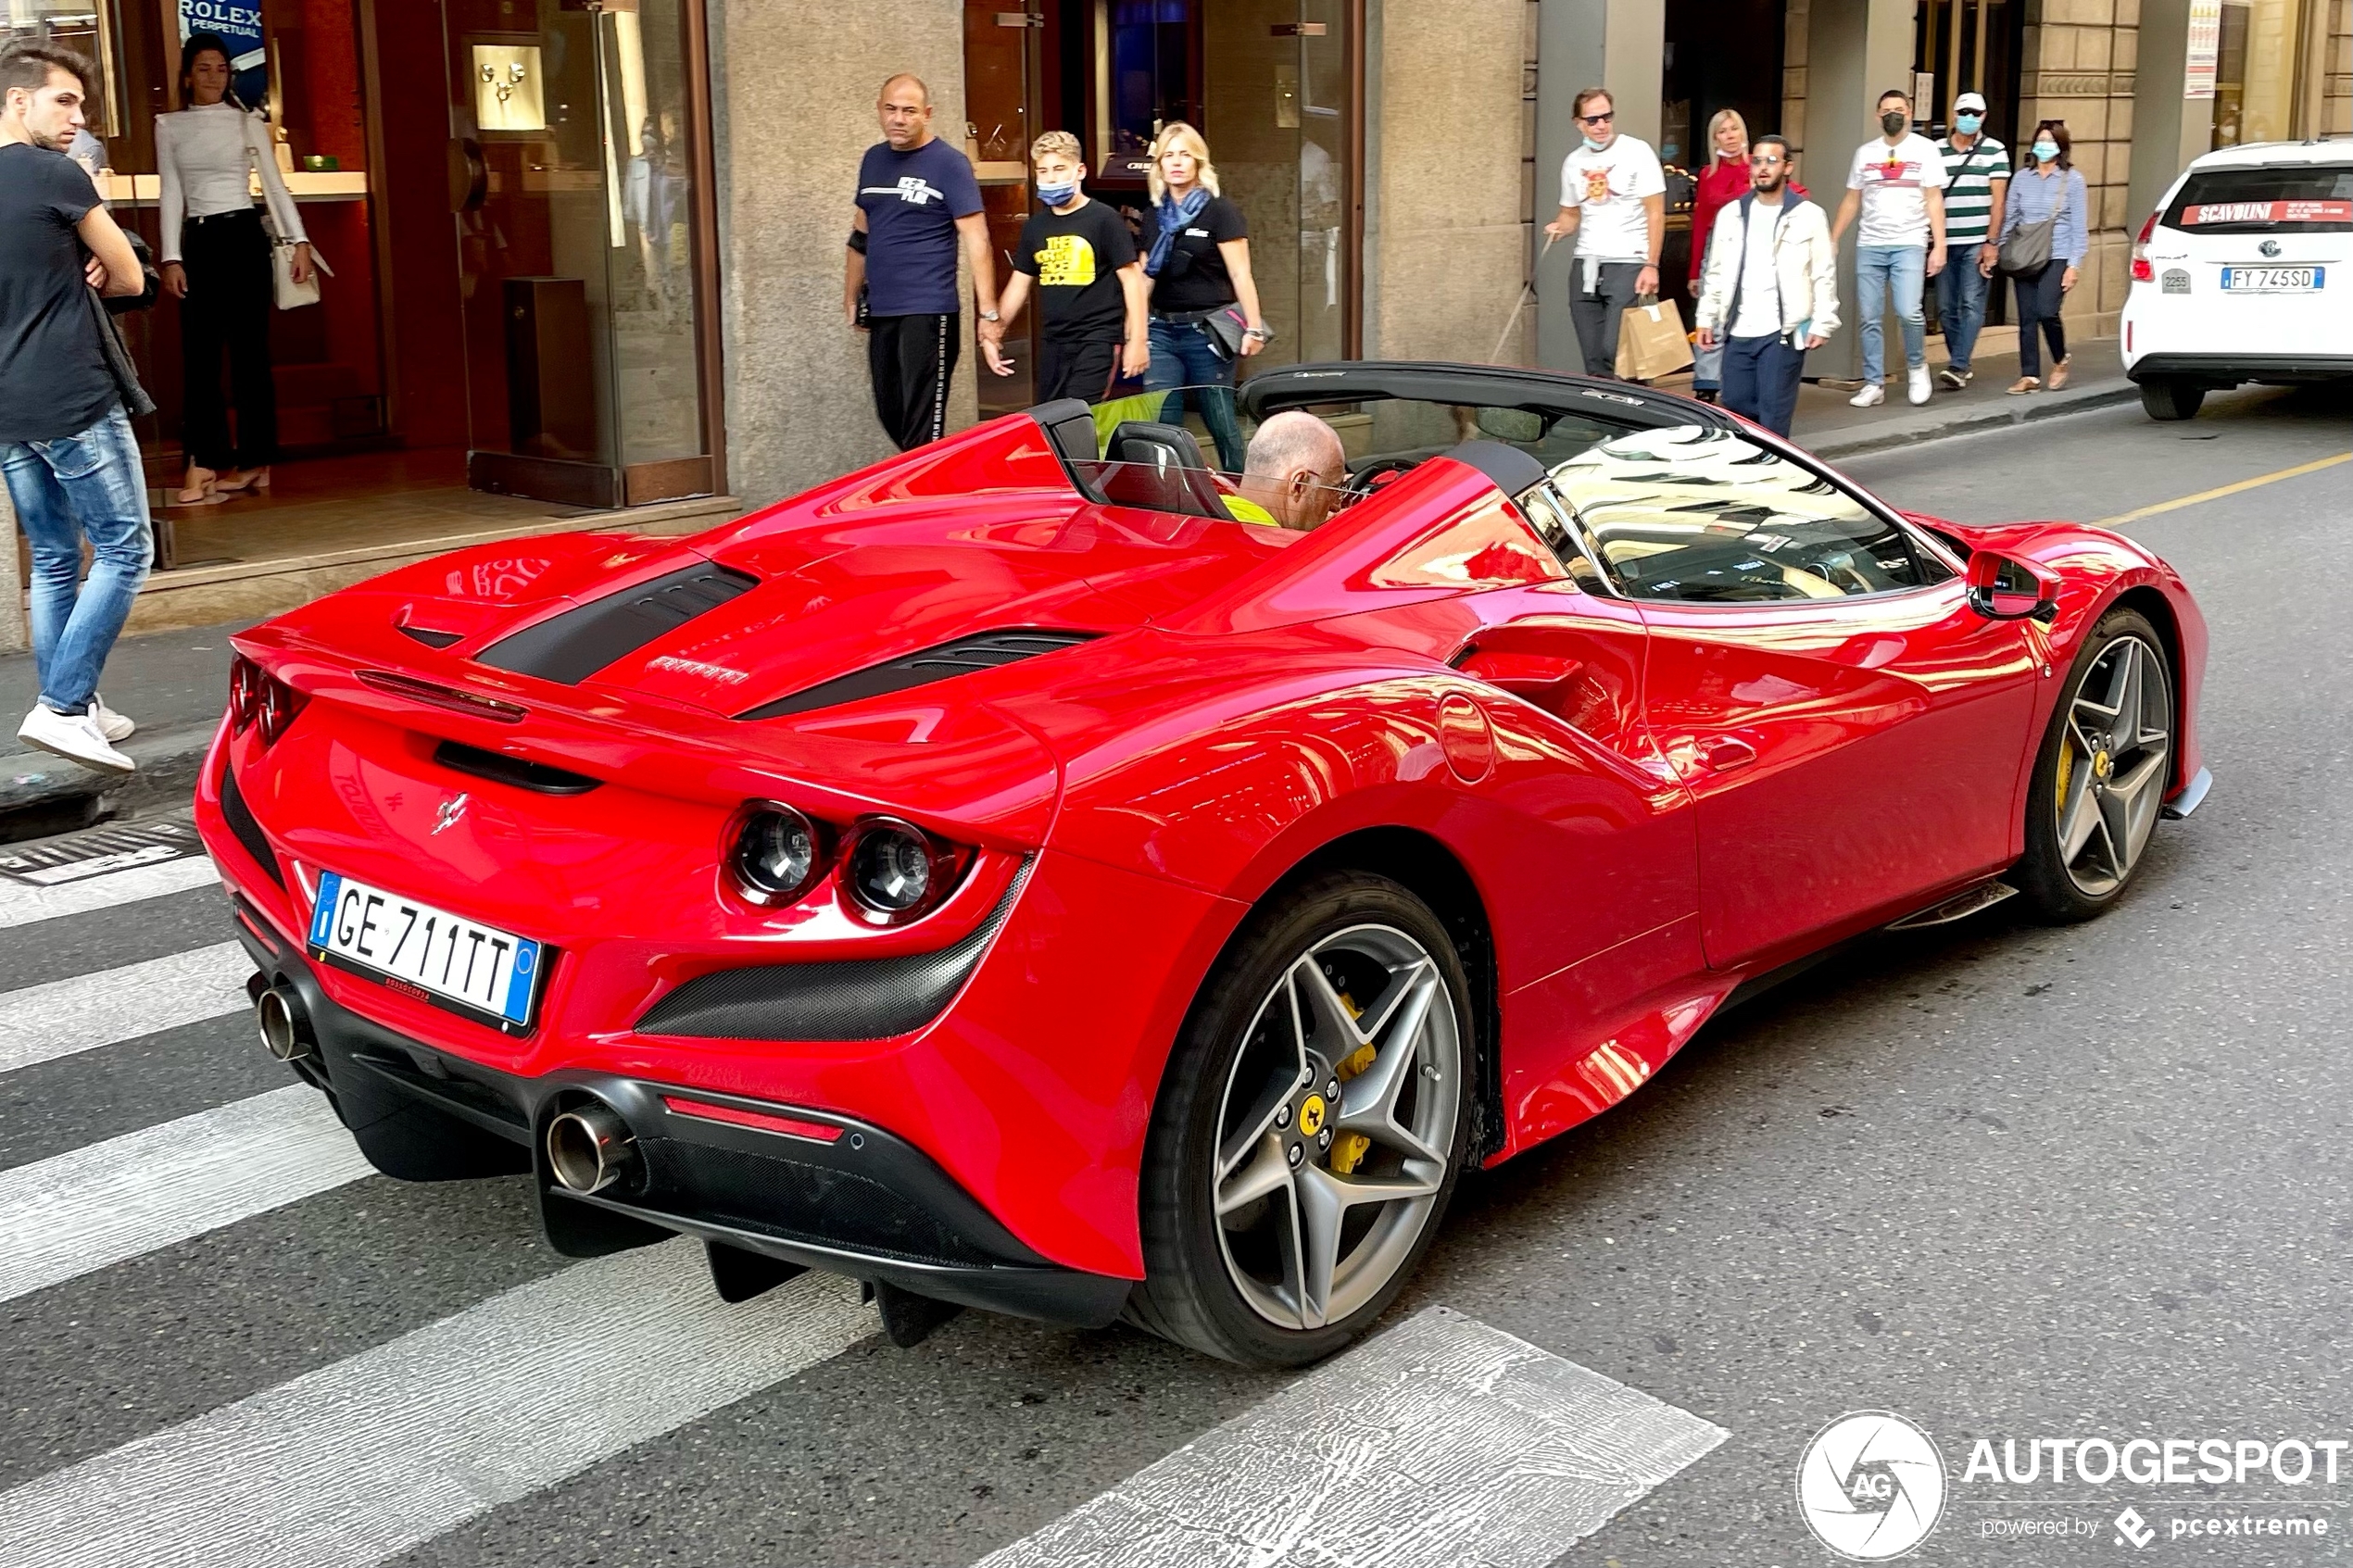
x=1350, y=1149
x=2066, y=770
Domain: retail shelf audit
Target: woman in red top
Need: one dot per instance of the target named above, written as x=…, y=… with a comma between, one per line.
x=1723, y=181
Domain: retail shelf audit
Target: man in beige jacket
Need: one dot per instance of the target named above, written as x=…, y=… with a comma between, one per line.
x=1769, y=291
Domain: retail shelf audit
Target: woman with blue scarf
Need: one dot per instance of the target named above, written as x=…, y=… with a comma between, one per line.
x=1204, y=304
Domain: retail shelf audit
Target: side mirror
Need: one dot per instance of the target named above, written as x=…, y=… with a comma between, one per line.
x=2005, y=589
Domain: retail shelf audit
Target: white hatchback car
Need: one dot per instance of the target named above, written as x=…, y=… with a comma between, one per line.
x=2244, y=274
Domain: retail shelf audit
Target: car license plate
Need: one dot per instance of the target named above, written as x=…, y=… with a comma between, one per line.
x=2273, y=280
x=425, y=952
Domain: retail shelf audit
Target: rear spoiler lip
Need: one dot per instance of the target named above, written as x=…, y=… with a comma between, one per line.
x=666, y=748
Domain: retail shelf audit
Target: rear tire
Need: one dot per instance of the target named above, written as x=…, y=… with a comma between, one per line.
x=2101, y=776
x=2171, y=398
x=1263, y=1241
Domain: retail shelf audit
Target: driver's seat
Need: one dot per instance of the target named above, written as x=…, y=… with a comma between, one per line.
x=1159, y=467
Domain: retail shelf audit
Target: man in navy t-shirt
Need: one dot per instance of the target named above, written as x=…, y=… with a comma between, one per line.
x=917, y=199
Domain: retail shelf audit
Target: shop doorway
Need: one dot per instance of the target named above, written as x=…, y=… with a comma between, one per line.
x=1273, y=85
x=514, y=197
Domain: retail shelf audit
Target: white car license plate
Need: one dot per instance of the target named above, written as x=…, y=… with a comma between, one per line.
x=430, y=953
x=2273, y=280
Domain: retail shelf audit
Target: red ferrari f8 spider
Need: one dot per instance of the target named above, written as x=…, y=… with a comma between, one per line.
x=1001, y=877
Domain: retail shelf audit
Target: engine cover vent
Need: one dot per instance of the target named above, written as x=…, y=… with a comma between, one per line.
x=573, y=646
x=984, y=650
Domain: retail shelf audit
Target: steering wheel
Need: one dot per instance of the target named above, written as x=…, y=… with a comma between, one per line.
x=1365, y=481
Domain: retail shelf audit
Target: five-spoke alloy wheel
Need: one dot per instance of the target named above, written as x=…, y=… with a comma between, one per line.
x=2100, y=781
x=1311, y=1126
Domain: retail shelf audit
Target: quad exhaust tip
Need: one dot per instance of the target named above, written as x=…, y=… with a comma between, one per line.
x=588, y=1148
x=285, y=1027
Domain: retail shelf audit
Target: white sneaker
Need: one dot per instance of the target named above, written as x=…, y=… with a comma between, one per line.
x=112, y=725
x=75, y=736
x=1917, y=392
x=1871, y=396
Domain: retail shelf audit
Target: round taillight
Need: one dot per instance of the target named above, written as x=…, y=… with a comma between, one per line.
x=279, y=703
x=893, y=868
x=777, y=854
x=246, y=680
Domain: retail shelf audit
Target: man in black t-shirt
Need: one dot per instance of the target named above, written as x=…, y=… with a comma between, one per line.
x=66, y=446
x=1090, y=285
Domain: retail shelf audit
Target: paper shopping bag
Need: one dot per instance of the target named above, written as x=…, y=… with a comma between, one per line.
x=1651, y=342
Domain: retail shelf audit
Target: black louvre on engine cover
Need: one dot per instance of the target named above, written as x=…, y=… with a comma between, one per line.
x=570, y=647
x=984, y=650
x=855, y=999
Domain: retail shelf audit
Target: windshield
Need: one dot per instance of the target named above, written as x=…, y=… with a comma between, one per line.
x=1198, y=452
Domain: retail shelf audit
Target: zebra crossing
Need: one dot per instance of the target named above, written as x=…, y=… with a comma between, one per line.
x=396, y=1430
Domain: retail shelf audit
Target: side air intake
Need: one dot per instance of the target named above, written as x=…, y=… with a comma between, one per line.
x=985, y=650
x=572, y=647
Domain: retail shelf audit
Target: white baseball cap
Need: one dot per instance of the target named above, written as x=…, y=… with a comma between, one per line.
x=1969, y=103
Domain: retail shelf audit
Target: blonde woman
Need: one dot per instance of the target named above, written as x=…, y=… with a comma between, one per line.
x=1725, y=180
x=1200, y=267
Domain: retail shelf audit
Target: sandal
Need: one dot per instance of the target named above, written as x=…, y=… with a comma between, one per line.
x=196, y=488
x=2059, y=372
x=2025, y=384
x=255, y=479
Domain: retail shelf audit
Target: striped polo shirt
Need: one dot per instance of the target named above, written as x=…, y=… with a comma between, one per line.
x=1969, y=187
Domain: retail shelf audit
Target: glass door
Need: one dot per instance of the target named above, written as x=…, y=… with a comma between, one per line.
x=1281, y=128
x=1002, y=107
x=573, y=177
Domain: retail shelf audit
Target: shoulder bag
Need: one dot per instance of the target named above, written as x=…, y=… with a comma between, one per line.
x=287, y=293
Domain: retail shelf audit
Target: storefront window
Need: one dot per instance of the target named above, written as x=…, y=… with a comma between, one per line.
x=84, y=26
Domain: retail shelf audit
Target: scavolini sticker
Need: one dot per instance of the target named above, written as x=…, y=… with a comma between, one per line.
x=1874, y=1485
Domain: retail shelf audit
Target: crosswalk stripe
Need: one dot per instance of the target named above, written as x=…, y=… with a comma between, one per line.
x=22, y=904
x=371, y=1456
x=43, y=1022
x=1442, y=1443
x=78, y=1213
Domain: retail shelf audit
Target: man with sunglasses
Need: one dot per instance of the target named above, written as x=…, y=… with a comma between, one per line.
x=1614, y=200
x=1769, y=290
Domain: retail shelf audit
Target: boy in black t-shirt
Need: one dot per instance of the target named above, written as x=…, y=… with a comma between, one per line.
x=1090, y=285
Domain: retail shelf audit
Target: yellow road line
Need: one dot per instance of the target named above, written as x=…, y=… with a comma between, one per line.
x=2219, y=492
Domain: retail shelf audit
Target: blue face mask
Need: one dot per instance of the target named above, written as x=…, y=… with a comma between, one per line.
x=1966, y=124
x=1593, y=146
x=2045, y=152
x=1057, y=197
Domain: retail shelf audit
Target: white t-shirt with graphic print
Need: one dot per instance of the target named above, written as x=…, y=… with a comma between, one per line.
x=1895, y=182
x=1607, y=188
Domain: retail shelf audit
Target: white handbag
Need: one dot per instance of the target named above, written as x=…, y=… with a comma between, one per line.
x=288, y=295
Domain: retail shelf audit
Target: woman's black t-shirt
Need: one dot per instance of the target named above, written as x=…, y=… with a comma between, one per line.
x=1194, y=276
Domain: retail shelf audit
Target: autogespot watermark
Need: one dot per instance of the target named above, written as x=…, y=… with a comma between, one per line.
x=1873, y=1486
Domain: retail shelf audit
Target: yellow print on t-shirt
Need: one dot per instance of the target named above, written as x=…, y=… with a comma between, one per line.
x=1068, y=261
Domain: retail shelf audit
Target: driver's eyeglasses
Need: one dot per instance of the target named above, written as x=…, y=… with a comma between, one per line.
x=1596, y=119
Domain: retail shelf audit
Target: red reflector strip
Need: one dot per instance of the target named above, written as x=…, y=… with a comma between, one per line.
x=792, y=1127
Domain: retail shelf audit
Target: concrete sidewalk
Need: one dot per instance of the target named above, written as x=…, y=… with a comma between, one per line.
x=175, y=684
x=1827, y=426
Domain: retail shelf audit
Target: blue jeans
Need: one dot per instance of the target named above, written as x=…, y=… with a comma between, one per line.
x=1760, y=379
x=1880, y=272
x=81, y=486
x=1960, y=302
x=1183, y=356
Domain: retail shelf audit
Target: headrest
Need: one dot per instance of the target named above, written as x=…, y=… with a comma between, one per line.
x=1512, y=469
x=1161, y=446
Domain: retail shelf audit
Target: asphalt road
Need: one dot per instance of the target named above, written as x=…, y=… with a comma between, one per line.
x=2006, y=1182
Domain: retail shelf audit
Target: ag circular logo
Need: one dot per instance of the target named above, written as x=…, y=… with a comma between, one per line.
x=1871, y=1485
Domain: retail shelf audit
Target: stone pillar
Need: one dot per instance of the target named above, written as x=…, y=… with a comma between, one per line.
x=795, y=88
x=16, y=634
x=2168, y=129
x=1620, y=44
x=1448, y=232
x=2081, y=60
x=1854, y=51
